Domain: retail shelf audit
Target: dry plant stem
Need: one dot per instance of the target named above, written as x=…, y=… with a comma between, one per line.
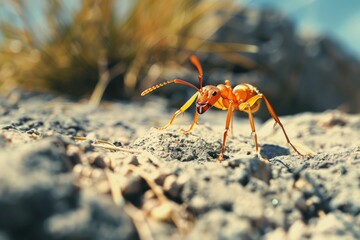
x=209, y=46
x=107, y=145
x=115, y=187
x=140, y=222
x=29, y=33
x=182, y=225
x=182, y=228
x=156, y=189
x=105, y=76
x=110, y=146
x=239, y=59
x=131, y=76
x=104, y=79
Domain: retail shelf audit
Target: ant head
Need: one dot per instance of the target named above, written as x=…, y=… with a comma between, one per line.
x=209, y=95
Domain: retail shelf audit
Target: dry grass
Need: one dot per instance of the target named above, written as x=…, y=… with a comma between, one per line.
x=98, y=45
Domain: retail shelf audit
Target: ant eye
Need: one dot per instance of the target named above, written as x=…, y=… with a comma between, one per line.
x=214, y=93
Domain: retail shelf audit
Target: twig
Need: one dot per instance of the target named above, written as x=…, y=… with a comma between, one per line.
x=156, y=189
x=107, y=145
x=115, y=188
x=139, y=221
x=105, y=76
x=174, y=214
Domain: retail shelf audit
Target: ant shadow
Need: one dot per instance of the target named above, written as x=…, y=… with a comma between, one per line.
x=270, y=151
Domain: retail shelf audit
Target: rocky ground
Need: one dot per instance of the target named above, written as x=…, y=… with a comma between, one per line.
x=152, y=184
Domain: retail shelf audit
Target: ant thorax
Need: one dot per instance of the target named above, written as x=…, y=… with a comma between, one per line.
x=244, y=92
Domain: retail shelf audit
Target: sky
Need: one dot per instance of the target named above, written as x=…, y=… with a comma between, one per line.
x=337, y=19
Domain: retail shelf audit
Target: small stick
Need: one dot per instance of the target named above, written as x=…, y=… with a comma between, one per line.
x=115, y=188
x=139, y=221
x=107, y=145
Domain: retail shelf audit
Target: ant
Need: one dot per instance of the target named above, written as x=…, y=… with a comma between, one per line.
x=243, y=97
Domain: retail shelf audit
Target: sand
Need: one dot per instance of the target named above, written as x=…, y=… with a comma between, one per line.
x=167, y=185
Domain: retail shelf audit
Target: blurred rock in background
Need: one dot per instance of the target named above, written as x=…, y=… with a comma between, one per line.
x=297, y=73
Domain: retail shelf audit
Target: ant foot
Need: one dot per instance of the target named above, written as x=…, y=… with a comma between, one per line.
x=189, y=130
x=161, y=128
x=185, y=131
x=261, y=158
x=219, y=159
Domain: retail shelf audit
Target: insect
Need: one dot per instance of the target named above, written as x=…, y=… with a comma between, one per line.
x=243, y=97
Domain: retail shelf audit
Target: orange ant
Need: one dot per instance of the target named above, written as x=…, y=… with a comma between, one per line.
x=243, y=97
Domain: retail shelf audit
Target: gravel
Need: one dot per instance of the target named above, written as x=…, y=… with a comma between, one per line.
x=53, y=187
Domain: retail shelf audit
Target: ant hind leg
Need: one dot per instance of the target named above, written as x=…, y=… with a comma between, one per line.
x=277, y=121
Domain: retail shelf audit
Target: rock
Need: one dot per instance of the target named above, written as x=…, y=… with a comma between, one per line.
x=336, y=225
x=40, y=201
x=95, y=218
x=230, y=227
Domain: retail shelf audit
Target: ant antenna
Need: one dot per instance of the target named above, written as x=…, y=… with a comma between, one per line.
x=149, y=90
x=194, y=60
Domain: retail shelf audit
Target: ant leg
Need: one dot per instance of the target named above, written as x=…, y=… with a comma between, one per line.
x=277, y=120
x=232, y=127
x=227, y=125
x=196, y=117
x=181, y=110
x=253, y=131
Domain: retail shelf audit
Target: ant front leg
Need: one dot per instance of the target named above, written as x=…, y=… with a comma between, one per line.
x=181, y=110
x=247, y=107
x=196, y=117
x=227, y=125
x=277, y=120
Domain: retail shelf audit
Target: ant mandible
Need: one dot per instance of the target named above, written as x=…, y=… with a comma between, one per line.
x=243, y=97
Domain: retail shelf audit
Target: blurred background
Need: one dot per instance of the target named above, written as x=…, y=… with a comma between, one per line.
x=303, y=55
